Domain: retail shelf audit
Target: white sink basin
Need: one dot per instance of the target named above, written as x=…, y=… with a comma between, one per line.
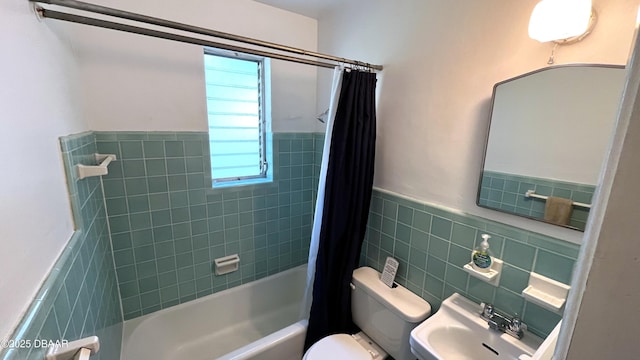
x=457, y=332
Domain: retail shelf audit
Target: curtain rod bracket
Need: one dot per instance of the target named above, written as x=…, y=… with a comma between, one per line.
x=38, y=11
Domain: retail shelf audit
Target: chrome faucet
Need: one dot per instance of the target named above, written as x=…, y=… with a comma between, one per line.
x=499, y=322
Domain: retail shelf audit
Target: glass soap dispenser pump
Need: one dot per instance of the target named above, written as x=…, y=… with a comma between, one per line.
x=481, y=257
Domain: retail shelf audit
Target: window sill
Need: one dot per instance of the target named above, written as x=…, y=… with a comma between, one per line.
x=241, y=183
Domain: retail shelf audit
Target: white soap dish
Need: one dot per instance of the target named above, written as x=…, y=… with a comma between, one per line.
x=548, y=293
x=492, y=276
x=227, y=264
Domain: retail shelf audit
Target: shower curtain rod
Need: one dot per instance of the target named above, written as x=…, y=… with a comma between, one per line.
x=78, y=5
x=51, y=14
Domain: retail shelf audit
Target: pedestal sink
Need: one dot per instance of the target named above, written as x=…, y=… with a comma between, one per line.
x=457, y=332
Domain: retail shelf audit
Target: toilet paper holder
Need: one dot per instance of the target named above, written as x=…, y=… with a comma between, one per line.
x=75, y=350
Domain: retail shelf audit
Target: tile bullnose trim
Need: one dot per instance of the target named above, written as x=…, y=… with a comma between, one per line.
x=421, y=202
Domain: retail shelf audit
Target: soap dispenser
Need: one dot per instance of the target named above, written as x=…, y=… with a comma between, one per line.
x=481, y=257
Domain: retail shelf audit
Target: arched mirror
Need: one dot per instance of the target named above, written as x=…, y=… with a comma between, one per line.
x=548, y=134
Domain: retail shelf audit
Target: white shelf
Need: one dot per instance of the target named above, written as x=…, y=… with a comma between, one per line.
x=546, y=292
x=492, y=276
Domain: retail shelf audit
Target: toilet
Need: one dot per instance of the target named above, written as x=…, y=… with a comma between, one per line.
x=386, y=317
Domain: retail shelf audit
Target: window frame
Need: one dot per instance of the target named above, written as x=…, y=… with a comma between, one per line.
x=264, y=105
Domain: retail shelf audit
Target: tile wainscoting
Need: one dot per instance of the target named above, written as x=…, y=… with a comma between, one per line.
x=167, y=225
x=79, y=297
x=432, y=244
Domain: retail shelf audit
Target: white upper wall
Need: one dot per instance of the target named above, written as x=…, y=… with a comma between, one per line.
x=137, y=83
x=38, y=101
x=441, y=61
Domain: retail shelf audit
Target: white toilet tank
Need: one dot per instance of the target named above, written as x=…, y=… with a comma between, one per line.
x=386, y=315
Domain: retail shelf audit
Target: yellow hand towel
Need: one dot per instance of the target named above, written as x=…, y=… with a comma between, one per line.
x=557, y=210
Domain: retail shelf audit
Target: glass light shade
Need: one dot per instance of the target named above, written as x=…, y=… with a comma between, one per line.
x=559, y=19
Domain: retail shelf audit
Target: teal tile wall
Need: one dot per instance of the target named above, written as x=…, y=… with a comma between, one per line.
x=433, y=244
x=80, y=297
x=168, y=225
x=318, y=139
x=506, y=192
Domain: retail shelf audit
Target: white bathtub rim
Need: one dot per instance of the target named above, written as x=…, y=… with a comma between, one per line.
x=130, y=326
x=271, y=340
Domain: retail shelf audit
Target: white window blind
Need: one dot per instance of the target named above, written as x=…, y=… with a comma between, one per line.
x=235, y=106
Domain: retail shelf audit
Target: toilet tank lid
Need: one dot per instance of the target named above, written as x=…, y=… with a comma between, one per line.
x=404, y=303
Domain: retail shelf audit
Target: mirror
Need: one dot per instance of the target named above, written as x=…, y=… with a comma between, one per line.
x=548, y=133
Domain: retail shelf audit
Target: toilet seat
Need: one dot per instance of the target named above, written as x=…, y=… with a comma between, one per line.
x=344, y=346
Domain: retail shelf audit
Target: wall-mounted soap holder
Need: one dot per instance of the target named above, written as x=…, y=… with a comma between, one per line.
x=548, y=293
x=492, y=276
x=227, y=264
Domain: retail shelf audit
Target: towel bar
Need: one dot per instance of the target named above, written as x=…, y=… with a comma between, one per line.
x=532, y=194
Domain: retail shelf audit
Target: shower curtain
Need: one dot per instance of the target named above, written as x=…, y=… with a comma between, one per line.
x=345, y=209
x=317, y=219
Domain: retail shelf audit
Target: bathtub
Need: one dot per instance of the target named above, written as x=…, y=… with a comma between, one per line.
x=259, y=320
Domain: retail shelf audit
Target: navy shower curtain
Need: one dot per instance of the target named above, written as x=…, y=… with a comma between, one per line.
x=349, y=184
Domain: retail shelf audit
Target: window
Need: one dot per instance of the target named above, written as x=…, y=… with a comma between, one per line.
x=237, y=97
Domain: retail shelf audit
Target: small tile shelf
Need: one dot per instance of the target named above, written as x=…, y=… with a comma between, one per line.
x=492, y=276
x=548, y=293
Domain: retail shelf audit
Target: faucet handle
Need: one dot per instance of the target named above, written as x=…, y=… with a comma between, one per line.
x=517, y=325
x=487, y=310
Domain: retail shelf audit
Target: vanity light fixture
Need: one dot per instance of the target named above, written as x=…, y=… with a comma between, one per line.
x=563, y=22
